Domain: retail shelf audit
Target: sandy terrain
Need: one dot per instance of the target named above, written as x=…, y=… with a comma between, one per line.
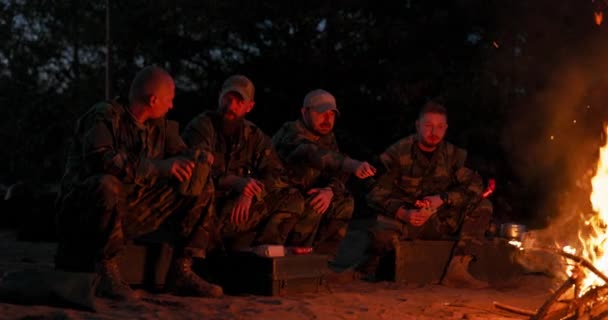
x=355, y=300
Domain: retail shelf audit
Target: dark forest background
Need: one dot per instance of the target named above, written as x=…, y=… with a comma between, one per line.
x=524, y=81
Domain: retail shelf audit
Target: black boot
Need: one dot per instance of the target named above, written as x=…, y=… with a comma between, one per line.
x=111, y=285
x=182, y=281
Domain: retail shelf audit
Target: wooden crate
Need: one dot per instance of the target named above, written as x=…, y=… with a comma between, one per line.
x=416, y=261
x=425, y=261
x=145, y=264
x=245, y=273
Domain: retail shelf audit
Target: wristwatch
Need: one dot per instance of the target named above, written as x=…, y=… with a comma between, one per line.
x=444, y=197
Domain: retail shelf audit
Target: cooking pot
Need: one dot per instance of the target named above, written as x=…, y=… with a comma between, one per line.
x=512, y=230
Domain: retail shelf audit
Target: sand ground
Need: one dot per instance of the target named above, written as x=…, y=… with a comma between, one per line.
x=353, y=300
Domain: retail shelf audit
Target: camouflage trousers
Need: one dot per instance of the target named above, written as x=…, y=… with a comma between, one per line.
x=467, y=224
x=270, y=219
x=99, y=215
x=324, y=231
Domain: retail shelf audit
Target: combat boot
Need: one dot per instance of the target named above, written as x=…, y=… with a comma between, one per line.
x=183, y=281
x=111, y=285
x=458, y=276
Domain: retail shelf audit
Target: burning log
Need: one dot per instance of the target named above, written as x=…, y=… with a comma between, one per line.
x=591, y=301
x=584, y=262
x=544, y=309
x=595, y=300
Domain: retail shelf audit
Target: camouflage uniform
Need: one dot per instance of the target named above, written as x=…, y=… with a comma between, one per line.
x=248, y=154
x=412, y=175
x=112, y=192
x=315, y=161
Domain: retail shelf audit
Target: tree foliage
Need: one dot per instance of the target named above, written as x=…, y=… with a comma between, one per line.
x=491, y=62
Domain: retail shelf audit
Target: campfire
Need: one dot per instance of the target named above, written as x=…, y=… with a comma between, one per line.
x=584, y=294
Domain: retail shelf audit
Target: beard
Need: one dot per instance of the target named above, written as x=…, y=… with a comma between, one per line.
x=231, y=122
x=322, y=129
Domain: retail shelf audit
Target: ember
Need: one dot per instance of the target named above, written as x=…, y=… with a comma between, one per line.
x=599, y=17
x=598, y=11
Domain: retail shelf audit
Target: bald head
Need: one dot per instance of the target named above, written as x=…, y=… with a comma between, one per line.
x=148, y=82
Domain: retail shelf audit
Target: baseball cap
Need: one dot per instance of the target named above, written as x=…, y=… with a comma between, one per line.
x=320, y=100
x=239, y=84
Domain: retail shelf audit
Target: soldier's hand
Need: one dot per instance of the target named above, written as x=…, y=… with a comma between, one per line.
x=433, y=202
x=361, y=169
x=321, y=199
x=414, y=217
x=180, y=168
x=365, y=170
x=240, y=210
x=249, y=187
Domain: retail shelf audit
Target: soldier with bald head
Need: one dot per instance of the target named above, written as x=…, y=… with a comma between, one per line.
x=125, y=165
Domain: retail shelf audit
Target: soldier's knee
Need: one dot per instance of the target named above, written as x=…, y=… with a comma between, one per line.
x=349, y=201
x=486, y=206
x=344, y=208
x=298, y=202
x=106, y=186
x=292, y=200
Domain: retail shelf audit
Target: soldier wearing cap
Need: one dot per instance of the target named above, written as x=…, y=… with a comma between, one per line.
x=319, y=170
x=248, y=175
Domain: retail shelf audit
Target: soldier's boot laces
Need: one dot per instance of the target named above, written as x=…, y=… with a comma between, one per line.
x=183, y=281
x=111, y=285
x=458, y=276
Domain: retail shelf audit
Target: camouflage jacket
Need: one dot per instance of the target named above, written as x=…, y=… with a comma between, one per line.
x=311, y=160
x=108, y=140
x=251, y=154
x=410, y=175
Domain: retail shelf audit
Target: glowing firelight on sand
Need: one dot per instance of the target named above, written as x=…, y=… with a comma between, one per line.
x=595, y=242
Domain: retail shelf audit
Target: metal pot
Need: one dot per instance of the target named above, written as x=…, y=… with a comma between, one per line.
x=512, y=230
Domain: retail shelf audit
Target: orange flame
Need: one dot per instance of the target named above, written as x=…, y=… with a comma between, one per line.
x=595, y=242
